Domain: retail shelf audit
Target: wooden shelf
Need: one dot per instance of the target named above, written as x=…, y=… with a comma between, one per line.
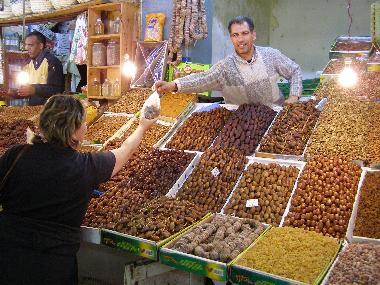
x=105, y=37
x=104, y=67
x=53, y=16
x=104, y=97
x=107, y=7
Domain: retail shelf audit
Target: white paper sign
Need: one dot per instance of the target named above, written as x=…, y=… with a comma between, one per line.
x=252, y=203
x=215, y=172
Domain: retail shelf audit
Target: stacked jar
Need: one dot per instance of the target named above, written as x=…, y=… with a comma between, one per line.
x=113, y=53
x=98, y=54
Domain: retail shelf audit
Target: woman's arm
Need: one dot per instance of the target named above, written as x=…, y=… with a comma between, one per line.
x=130, y=145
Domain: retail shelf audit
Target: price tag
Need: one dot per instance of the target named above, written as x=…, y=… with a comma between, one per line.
x=215, y=172
x=252, y=203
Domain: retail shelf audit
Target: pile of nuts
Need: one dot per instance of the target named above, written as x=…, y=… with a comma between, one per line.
x=105, y=127
x=160, y=218
x=357, y=264
x=86, y=148
x=11, y=114
x=151, y=136
x=271, y=185
x=213, y=178
x=157, y=172
x=335, y=66
x=131, y=102
x=105, y=211
x=348, y=127
x=172, y=105
x=246, y=127
x=324, y=196
x=368, y=217
x=199, y=131
x=352, y=46
x=291, y=130
x=291, y=253
x=13, y=133
x=221, y=238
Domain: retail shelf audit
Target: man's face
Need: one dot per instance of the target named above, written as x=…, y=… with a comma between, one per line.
x=243, y=39
x=33, y=46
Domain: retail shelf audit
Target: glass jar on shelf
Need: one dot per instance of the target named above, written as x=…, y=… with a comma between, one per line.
x=96, y=88
x=113, y=53
x=98, y=54
x=116, y=25
x=106, y=88
x=99, y=27
x=116, y=88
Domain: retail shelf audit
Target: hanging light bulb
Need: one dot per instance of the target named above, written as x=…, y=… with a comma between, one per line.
x=129, y=68
x=22, y=78
x=348, y=77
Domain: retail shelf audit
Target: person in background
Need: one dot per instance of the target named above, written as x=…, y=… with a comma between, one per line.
x=44, y=194
x=249, y=75
x=44, y=69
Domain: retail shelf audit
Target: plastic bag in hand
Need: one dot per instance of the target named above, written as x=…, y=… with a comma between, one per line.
x=151, y=107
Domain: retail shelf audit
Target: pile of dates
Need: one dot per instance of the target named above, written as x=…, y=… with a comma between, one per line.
x=13, y=133
x=324, y=197
x=131, y=102
x=105, y=127
x=213, y=178
x=291, y=130
x=246, y=127
x=336, y=66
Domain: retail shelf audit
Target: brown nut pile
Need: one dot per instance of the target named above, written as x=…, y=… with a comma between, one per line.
x=172, y=105
x=157, y=172
x=160, y=218
x=131, y=102
x=291, y=130
x=350, y=128
x=335, y=66
x=11, y=114
x=271, y=185
x=86, y=148
x=324, y=196
x=13, y=133
x=151, y=136
x=357, y=264
x=221, y=238
x=106, y=211
x=105, y=127
x=368, y=217
x=352, y=46
x=246, y=127
x=291, y=253
x=199, y=131
x=213, y=178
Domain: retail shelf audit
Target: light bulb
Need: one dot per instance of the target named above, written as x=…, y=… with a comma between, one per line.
x=348, y=77
x=23, y=78
x=129, y=68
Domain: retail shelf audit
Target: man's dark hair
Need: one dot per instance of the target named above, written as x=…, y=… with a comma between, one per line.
x=241, y=20
x=40, y=37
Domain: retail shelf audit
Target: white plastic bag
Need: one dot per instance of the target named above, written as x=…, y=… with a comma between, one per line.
x=151, y=107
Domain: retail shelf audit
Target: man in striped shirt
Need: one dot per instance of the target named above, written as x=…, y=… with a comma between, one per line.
x=249, y=75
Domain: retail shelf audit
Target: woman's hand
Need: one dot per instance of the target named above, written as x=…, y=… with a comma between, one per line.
x=146, y=123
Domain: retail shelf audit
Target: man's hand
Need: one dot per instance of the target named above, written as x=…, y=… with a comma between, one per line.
x=26, y=90
x=163, y=87
x=291, y=100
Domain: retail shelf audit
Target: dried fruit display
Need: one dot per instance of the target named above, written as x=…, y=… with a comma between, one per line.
x=357, y=264
x=173, y=104
x=291, y=130
x=199, y=131
x=368, y=216
x=298, y=254
x=348, y=127
x=271, y=185
x=105, y=127
x=131, y=102
x=221, y=238
x=86, y=148
x=324, y=196
x=246, y=127
x=336, y=66
x=11, y=114
x=106, y=211
x=14, y=132
x=151, y=137
x=160, y=218
x=213, y=178
x=352, y=46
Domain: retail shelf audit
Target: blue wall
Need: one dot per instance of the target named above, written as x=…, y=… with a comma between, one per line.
x=202, y=51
